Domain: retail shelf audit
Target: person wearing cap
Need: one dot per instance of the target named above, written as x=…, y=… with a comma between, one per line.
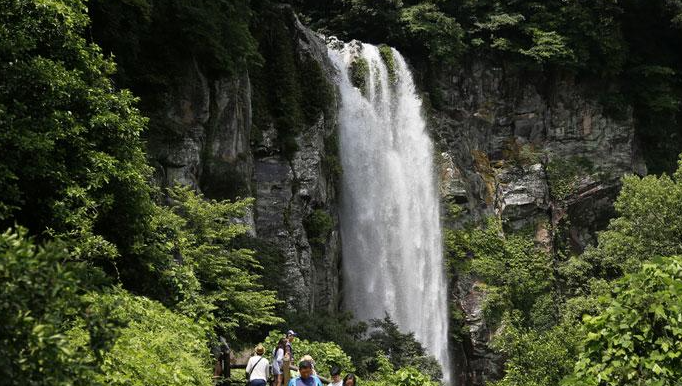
x=306, y=377
x=258, y=368
x=311, y=360
x=289, y=349
x=335, y=372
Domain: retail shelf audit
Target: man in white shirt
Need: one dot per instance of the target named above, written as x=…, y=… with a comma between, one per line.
x=336, y=376
x=258, y=368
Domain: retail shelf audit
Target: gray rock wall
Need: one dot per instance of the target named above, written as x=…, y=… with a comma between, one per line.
x=202, y=138
x=534, y=152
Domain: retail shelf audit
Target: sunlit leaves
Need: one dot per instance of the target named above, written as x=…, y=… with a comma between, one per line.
x=637, y=339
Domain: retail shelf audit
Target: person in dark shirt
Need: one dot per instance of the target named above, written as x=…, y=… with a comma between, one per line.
x=289, y=349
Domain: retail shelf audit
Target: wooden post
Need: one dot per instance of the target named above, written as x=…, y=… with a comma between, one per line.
x=286, y=371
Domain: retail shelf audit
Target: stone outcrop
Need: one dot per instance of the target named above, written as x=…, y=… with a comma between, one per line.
x=533, y=151
x=202, y=138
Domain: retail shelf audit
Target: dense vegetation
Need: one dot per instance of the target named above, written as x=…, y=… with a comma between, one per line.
x=609, y=316
x=106, y=279
x=74, y=173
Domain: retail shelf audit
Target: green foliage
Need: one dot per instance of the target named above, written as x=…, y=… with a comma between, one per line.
x=39, y=297
x=155, y=41
x=363, y=344
x=318, y=226
x=404, y=376
x=564, y=175
x=521, y=154
x=637, y=339
x=548, y=46
x=204, y=276
x=516, y=274
x=331, y=161
x=388, y=357
x=441, y=34
x=626, y=334
x=349, y=334
x=536, y=358
x=648, y=225
x=386, y=53
x=359, y=73
x=290, y=89
x=325, y=354
x=72, y=163
x=154, y=346
x=402, y=349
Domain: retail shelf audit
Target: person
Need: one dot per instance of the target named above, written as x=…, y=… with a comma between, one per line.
x=221, y=352
x=306, y=377
x=311, y=360
x=349, y=380
x=258, y=368
x=289, y=349
x=335, y=372
x=278, y=362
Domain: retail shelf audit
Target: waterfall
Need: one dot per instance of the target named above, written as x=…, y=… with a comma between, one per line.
x=390, y=220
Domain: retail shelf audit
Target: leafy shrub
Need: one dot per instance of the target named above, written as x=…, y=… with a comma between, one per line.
x=325, y=354
x=404, y=376
x=154, y=346
x=204, y=275
x=318, y=225
x=515, y=273
x=40, y=296
x=564, y=175
x=536, y=357
x=637, y=339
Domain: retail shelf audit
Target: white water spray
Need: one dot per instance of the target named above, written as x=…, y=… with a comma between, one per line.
x=390, y=220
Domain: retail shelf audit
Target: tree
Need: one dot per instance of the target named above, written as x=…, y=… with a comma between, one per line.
x=637, y=339
x=72, y=161
x=153, y=346
x=201, y=272
x=39, y=297
x=402, y=349
x=648, y=225
x=439, y=33
x=536, y=357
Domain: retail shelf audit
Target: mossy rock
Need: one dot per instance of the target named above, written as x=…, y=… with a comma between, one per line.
x=318, y=226
x=359, y=71
x=387, y=56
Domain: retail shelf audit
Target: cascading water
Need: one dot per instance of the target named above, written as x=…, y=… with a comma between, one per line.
x=390, y=223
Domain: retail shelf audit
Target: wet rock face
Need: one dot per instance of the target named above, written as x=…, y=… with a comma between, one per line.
x=535, y=152
x=287, y=192
x=202, y=138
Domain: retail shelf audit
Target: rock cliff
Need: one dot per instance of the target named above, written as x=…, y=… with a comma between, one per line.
x=538, y=153
x=533, y=150
x=203, y=138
